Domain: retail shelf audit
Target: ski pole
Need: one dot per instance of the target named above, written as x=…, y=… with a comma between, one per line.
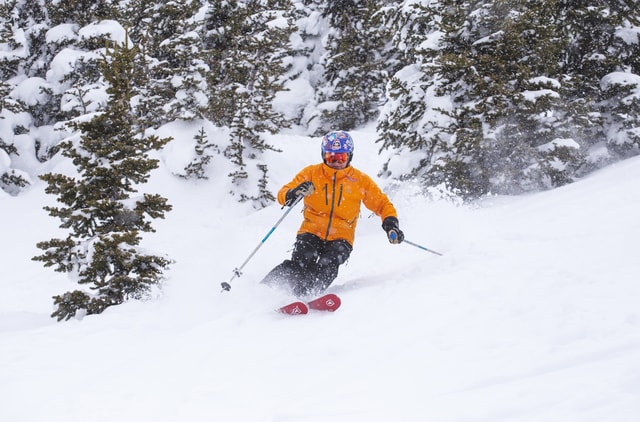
x=421, y=247
x=393, y=236
x=226, y=286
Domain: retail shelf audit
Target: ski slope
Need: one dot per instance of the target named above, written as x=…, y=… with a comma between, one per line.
x=532, y=314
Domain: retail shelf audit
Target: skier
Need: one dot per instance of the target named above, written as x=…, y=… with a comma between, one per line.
x=333, y=192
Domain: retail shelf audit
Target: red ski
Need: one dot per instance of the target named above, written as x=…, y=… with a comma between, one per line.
x=329, y=302
x=295, y=308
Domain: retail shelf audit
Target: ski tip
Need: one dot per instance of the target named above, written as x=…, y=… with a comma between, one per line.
x=295, y=308
x=329, y=302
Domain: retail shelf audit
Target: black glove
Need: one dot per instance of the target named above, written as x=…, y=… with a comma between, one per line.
x=303, y=189
x=392, y=227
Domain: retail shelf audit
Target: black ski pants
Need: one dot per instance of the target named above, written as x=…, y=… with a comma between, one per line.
x=313, y=265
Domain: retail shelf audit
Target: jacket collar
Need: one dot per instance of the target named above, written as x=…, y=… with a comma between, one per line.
x=328, y=171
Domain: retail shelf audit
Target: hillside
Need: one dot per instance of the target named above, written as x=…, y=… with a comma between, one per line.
x=531, y=314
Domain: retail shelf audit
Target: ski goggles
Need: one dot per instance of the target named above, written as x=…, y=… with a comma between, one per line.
x=336, y=157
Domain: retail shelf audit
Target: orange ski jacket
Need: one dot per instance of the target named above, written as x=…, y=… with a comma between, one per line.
x=331, y=212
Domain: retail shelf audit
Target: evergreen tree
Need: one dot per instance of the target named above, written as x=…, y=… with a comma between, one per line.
x=408, y=119
x=12, y=181
x=477, y=76
x=305, y=74
x=355, y=67
x=38, y=41
x=531, y=142
x=103, y=217
x=508, y=127
x=13, y=45
x=82, y=12
x=198, y=166
x=622, y=92
x=170, y=36
x=27, y=26
x=185, y=69
x=449, y=70
x=247, y=42
x=604, y=47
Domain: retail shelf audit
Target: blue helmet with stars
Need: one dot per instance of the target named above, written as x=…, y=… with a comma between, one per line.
x=336, y=142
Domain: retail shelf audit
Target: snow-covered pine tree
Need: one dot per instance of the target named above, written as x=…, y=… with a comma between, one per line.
x=104, y=219
x=307, y=48
x=25, y=64
x=184, y=66
x=247, y=42
x=12, y=180
x=12, y=47
x=622, y=93
x=407, y=123
x=529, y=142
x=203, y=148
x=454, y=139
x=169, y=35
x=30, y=23
x=603, y=64
x=496, y=77
x=136, y=15
x=82, y=12
x=355, y=69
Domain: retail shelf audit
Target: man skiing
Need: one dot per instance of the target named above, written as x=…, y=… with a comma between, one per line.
x=333, y=192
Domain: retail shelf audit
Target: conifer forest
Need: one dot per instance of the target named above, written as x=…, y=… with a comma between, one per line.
x=491, y=96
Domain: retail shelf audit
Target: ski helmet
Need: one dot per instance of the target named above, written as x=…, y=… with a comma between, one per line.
x=337, y=141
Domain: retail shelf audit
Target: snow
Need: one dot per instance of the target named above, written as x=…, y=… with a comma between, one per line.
x=544, y=80
x=110, y=29
x=629, y=34
x=625, y=79
x=533, y=96
x=280, y=22
x=62, y=33
x=530, y=315
x=62, y=64
x=31, y=91
x=18, y=48
x=558, y=143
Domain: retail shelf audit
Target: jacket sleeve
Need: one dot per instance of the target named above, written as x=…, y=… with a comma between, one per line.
x=376, y=200
x=303, y=176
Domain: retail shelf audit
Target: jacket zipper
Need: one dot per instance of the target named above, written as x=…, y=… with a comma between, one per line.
x=333, y=201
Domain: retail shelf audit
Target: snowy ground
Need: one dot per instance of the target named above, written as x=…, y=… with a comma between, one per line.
x=532, y=314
